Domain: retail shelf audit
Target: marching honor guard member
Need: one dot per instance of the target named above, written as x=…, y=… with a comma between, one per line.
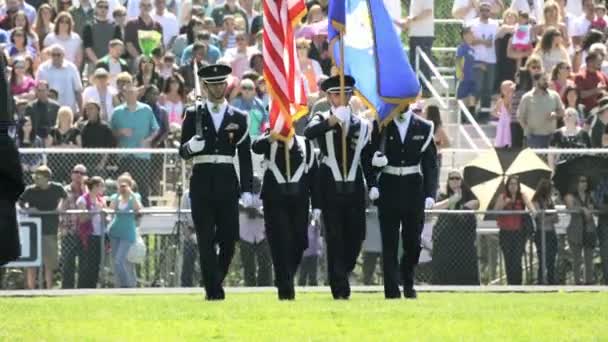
x=286, y=192
x=343, y=139
x=406, y=162
x=11, y=176
x=211, y=134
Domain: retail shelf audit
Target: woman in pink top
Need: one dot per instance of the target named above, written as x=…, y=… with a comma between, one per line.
x=174, y=95
x=22, y=85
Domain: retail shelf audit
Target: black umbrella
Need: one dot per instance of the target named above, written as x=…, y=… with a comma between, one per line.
x=488, y=173
x=568, y=171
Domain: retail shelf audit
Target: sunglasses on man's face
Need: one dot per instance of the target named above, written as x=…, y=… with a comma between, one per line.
x=78, y=172
x=455, y=178
x=102, y=6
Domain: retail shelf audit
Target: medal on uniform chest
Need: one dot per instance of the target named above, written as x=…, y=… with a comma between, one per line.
x=231, y=129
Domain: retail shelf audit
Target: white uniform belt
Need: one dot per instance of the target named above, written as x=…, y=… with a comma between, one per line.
x=212, y=159
x=402, y=170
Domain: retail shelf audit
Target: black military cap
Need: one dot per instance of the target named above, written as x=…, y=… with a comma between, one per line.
x=332, y=84
x=215, y=73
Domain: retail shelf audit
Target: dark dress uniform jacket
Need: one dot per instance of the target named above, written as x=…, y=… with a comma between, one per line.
x=332, y=190
x=219, y=181
x=417, y=148
x=11, y=178
x=308, y=184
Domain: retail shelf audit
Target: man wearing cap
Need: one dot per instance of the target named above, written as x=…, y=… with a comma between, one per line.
x=406, y=163
x=211, y=134
x=102, y=93
x=341, y=135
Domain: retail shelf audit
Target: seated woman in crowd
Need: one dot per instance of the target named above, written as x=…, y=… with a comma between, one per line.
x=454, y=235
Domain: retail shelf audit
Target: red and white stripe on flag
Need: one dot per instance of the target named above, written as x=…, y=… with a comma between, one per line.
x=281, y=67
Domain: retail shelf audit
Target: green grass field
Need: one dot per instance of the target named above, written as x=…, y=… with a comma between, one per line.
x=313, y=317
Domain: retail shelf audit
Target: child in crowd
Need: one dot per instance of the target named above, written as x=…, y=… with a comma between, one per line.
x=502, y=112
x=522, y=38
x=465, y=58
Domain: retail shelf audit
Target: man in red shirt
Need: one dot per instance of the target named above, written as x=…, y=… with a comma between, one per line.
x=590, y=81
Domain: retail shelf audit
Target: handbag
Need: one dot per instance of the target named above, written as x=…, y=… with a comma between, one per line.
x=137, y=251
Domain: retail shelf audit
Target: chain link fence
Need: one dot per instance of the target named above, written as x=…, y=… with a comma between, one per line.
x=458, y=247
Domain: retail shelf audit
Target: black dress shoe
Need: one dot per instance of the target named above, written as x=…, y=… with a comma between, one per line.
x=410, y=293
x=213, y=298
x=392, y=296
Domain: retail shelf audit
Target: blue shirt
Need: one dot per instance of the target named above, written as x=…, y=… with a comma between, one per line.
x=466, y=57
x=256, y=113
x=213, y=54
x=4, y=37
x=123, y=224
x=141, y=122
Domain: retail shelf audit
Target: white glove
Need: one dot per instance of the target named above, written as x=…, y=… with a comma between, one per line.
x=342, y=113
x=379, y=159
x=196, y=144
x=247, y=199
x=429, y=203
x=374, y=194
x=316, y=214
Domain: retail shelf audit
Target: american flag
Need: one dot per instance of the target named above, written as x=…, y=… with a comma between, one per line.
x=281, y=66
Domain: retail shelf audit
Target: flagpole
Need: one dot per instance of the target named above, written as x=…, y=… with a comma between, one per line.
x=343, y=101
x=287, y=161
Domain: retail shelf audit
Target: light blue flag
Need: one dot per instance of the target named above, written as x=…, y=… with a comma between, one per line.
x=373, y=55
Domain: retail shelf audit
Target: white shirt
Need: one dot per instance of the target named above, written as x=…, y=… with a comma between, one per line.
x=168, y=21
x=218, y=116
x=95, y=219
x=72, y=45
x=92, y=93
x=65, y=79
x=402, y=125
x=422, y=27
x=581, y=27
x=536, y=11
x=393, y=7
x=485, y=31
x=574, y=8
x=471, y=14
